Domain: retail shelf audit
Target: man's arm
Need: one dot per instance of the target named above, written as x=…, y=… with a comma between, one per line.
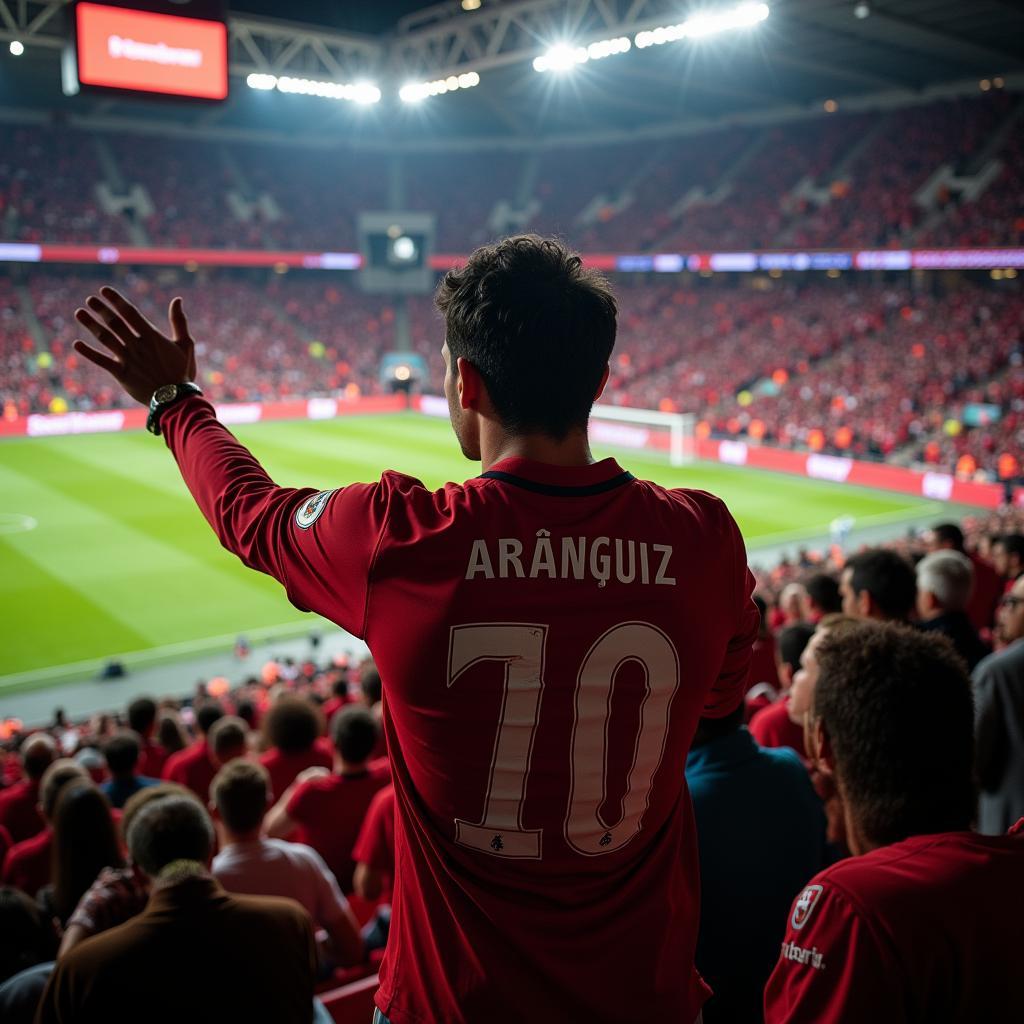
x=336, y=917
x=832, y=967
x=731, y=684
x=281, y=820
x=319, y=545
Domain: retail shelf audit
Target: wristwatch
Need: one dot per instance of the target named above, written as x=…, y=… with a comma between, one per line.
x=166, y=396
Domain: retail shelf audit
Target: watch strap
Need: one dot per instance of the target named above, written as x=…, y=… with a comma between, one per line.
x=156, y=408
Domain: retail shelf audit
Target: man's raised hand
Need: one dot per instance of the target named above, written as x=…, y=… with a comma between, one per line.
x=141, y=358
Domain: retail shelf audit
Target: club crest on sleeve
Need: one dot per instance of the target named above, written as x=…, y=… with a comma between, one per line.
x=805, y=903
x=309, y=511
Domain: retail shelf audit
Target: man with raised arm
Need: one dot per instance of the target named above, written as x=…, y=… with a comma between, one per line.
x=549, y=633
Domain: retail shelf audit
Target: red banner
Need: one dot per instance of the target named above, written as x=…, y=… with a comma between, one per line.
x=230, y=414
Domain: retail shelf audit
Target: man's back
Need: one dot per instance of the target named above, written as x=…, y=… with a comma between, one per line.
x=330, y=811
x=760, y=821
x=925, y=928
x=275, y=867
x=192, y=768
x=19, y=810
x=999, y=706
x=195, y=954
x=500, y=614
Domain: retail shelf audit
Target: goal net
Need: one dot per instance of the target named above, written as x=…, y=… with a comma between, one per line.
x=669, y=434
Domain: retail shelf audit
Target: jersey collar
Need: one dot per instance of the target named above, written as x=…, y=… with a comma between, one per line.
x=559, y=481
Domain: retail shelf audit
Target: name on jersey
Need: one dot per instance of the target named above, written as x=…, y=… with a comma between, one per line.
x=571, y=558
x=802, y=955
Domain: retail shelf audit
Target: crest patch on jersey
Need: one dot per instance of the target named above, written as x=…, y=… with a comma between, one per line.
x=309, y=512
x=805, y=903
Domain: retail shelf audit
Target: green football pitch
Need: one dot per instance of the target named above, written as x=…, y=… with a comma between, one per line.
x=103, y=553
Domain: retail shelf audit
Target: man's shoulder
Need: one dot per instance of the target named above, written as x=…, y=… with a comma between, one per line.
x=281, y=910
x=14, y=793
x=1005, y=665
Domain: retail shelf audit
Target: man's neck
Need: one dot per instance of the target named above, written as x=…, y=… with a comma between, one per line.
x=343, y=767
x=236, y=838
x=572, y=450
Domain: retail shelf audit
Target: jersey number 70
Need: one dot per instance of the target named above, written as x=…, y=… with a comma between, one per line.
x=520, y=646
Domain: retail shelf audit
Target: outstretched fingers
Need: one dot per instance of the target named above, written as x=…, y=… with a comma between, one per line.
x=99, y=330
x=104, y=362
x=128, y=312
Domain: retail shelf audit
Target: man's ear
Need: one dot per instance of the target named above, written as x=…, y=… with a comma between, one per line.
x=469, y=383
x=819, y=747
x=604, y=382
x=866, y=607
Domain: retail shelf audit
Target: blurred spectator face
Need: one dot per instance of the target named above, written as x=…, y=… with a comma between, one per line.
x=1010, y=617
x=804, y=679
x=851, y=602
x=792, y=601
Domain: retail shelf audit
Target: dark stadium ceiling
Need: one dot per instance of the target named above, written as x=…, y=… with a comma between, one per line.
x=808, y=51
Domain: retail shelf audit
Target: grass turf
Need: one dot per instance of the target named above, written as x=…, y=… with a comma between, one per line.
x=120, y=559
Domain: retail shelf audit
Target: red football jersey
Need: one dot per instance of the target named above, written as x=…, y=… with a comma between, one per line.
x=923, y=930
x=19, y=810
x=548, y=638
x=192, y=768
x=771, y=727
x=282, y=768
x=28, y=865
x=376, y=843
x=331, y=812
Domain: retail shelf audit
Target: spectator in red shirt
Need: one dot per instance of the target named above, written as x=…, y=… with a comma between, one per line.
x=292, y=728
x=19, y=804
x=339, y=694
x=29, y=864
x=782, y=724
x=84, y=843
x=988, y=586
x=374, y=852
x=325, y=810
x=878, y=584
x=170, y=733
x=192, y=766
x=821, y=598
x=789, y=647
x=919, y=925
x=142, y=720
x=221, y=740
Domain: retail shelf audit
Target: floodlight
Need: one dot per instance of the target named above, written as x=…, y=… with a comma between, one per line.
x=17, y=47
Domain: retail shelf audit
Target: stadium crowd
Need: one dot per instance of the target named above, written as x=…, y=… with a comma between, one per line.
x=278, y=786
x=877, y=371
x=844, y=179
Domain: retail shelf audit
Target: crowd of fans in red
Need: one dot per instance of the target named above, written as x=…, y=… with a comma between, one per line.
x=292, y=768
x=871, y=370
x=858, y=172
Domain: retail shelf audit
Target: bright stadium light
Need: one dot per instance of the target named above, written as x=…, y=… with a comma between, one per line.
x=262, y=82
x=355, y=92
x=17, y=47
x=704, y=24
x=563, y=57
x=413, y=92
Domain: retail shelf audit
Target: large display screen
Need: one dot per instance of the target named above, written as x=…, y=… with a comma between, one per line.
x=118, y=48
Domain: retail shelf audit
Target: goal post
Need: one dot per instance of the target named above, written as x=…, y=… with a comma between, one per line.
x=669, y=433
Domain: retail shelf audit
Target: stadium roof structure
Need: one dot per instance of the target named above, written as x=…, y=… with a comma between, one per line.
x=858, y=55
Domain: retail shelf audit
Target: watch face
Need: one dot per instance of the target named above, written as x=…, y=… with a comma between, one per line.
x=166, y=393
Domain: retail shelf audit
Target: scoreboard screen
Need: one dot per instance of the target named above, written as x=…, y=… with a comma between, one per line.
x=150, y=52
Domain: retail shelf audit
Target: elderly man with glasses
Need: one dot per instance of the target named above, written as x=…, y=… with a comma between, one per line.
x=999, y=714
